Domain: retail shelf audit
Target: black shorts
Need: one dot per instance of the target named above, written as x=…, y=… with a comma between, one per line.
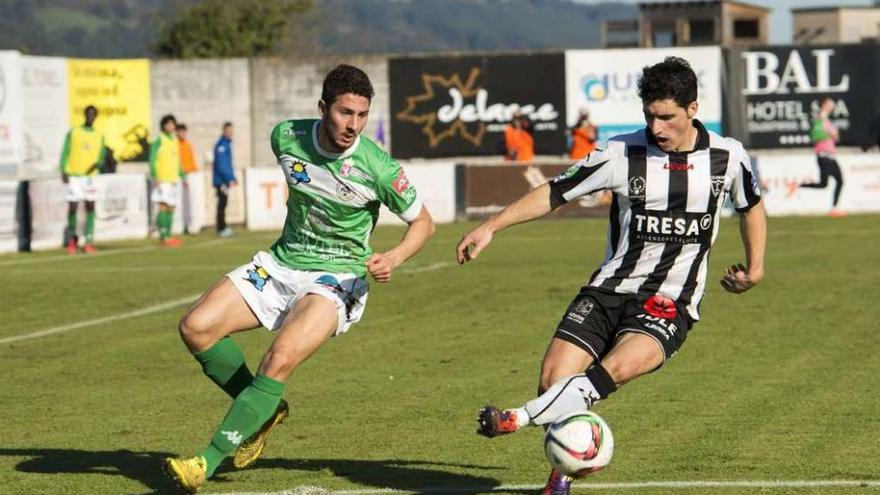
x=595, y=319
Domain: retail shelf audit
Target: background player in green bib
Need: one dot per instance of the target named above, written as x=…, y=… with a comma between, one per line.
x=81, y=160
x=166, y=172
x=311, y=285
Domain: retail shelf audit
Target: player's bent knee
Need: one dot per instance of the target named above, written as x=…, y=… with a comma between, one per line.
x=194, y=332
x=278, y=365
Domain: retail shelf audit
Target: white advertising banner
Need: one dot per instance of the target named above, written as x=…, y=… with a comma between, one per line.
x=436, y=186
x=266, y=193
x=44, y=85
x=121, y=207
x=11, y=113
x=605, y=83
x=781, y=176
x=120, y=210
x=48, y=213
x=265, y=197
x=8, y=225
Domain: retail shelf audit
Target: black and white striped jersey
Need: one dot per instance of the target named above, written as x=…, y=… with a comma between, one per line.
x=665, y=211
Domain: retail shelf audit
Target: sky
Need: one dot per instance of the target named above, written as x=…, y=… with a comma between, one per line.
x=780, y=15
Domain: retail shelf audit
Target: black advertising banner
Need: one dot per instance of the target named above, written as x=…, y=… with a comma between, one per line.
x=459, y=105
x=782, y=85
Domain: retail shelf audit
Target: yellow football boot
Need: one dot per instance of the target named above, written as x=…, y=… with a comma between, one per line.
x=250, y=450
x=187, y=472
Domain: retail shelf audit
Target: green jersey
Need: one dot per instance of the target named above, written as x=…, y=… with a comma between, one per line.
x=333, y=199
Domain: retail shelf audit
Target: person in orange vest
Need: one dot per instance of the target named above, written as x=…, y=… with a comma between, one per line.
x=188, y=165
x=81, y=159
x=583, y=137
x=518, y=139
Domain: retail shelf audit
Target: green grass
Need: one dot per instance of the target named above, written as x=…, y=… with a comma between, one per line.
x=775, y=384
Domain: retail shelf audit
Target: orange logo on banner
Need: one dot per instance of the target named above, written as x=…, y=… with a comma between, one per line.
x=414, y=111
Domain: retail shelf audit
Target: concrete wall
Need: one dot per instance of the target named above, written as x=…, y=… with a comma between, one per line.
x=290, y=88
x=204, y=94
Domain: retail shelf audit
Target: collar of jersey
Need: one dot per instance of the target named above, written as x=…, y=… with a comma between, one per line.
x=330, y=154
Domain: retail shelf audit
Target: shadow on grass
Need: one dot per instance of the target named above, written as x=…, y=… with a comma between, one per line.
x=146, y=468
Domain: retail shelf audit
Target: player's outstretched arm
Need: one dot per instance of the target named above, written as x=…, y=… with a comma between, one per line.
x=753, y=229
x=534, y=204
x=420, y=230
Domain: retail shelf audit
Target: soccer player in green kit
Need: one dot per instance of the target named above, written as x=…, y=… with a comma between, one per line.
x=311, y=285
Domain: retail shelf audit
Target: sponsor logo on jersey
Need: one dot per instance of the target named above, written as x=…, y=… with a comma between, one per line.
x=348, y=169
x=674, y=227
x=293, y=132
x=401, y=183
x=258, y=276
x=717, y=184
x=298, y=173
x=344, y=192
x=678, y=166
x=637, y=187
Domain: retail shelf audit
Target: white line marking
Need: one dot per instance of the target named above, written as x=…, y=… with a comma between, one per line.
x=161, y=307
x=113, y=269
x=98, y=321
x=24, y=259
x=767, y=484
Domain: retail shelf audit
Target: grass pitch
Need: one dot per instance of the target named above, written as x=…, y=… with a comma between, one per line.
x=776, y=384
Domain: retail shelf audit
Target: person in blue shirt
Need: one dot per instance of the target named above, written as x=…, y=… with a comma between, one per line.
x=224, y=177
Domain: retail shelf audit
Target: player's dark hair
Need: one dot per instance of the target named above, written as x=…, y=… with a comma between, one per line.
x=346, y=79
x=92, y=108
x=672, y=78
x=165, y=119
x=227, y=124
x=181, y=126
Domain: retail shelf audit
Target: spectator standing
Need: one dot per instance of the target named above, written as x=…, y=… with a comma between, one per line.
x=518, y=141
x=224, y=177
x=583, y=137
x=188, y=165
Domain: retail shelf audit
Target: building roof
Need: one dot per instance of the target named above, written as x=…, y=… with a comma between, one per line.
x=668, y=4
x=834, y=8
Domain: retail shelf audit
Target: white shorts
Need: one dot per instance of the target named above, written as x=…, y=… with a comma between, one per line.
x=165, y=192
x=80, y=188
x=271, y=290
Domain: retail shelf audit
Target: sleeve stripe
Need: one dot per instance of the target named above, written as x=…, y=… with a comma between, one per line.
x=560, y=187
x=412, y=212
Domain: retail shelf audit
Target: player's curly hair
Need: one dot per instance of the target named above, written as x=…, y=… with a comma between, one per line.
x=672, y=78
x=346, y=79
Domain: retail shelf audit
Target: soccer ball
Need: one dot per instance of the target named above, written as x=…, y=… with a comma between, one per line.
x=579, y=443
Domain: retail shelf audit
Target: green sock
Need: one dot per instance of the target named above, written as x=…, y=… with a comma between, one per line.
x=170, y=221
x=90, y=226
x=224, y=364
x=161, y=224
x=71, y=222
x=253, y=407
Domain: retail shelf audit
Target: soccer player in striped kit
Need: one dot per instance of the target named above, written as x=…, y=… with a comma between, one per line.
x=669, y=182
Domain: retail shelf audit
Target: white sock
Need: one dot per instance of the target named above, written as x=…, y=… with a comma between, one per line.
x=573, y=393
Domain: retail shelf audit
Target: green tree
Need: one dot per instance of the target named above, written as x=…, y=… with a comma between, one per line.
x=219, y=28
